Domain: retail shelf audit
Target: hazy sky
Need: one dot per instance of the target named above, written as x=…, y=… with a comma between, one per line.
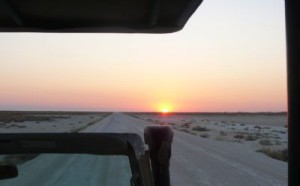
x=229, y=57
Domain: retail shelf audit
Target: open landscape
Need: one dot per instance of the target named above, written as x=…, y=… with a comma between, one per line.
x=19, y=122
x=261, y=132
x=215, y=72
x=207, y=149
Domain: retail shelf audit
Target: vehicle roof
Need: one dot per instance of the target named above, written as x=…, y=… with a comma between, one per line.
x=108, y=16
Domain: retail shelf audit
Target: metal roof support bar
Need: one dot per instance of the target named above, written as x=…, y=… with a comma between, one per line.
x=292, y=14
x=188, y=12
x=155, y=9
x=11, y=11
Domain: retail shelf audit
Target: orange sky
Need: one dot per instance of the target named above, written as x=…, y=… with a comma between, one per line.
x=225, y=59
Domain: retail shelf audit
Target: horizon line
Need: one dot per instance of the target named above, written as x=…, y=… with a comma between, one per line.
x=177, y=112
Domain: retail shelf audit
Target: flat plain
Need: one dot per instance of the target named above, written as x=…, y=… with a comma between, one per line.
x=207, y=149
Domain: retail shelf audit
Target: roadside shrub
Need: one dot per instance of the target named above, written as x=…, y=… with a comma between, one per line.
x=275, y=154
x=250, y=138
x=257, y=127
x=205, y=135
x=239, y=136
x=186, y=125
x=220, y=138
x=223, y=133
x=277, y=142
x=265, y=142
x=199, y=128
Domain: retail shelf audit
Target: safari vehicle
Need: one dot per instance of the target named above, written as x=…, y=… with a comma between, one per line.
x=129, y=16
x=159, y=139
x=148, y=166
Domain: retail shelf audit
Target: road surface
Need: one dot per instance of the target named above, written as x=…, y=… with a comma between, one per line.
x=195, y=161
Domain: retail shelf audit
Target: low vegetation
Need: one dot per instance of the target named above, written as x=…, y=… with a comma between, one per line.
x=8, y=117
x=21, y=116
x=199, y=128
x=276, y=154
x=205, y=135
x=239, y=136
x=222, y=133
x=250, y=138
x=186, y=125
x=265, y=142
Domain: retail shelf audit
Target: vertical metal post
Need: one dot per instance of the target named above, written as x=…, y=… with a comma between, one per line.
x=292, y=13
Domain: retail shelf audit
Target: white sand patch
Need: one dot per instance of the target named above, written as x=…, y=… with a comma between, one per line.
x=57, y=123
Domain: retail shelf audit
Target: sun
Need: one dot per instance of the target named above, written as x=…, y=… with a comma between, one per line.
x=165, y=110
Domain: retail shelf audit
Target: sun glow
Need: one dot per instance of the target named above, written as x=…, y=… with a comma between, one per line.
x=165, y=110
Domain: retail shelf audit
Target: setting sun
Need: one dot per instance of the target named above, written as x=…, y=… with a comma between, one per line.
x=165, y=110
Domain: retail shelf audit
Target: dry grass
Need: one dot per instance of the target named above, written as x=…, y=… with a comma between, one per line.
x=276, y=154
x=222, y=133
x=185, y=125
x=205, y=135
x=239, y=136
x=199, y=128
x=250, y=138
x=265, y=142
x=21, y=116
x=8, y=117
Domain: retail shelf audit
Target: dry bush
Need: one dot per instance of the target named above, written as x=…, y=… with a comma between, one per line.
x=199, y=128
x=250, y=138
x=265, y=142
x=276, y=154
x=222, y=133
x=186, y=125
x=11, y=116
x=220, y=138
x=239, y=136
x=205, y=135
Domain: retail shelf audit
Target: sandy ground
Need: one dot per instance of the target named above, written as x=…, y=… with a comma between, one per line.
x=255, y=131
x=195, y=161
x=52, y=123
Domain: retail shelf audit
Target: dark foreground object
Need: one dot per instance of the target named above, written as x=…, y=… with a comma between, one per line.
x=159, y=140
x=292, y=15
x=8, y=171
x=144, y=173
x=121, y=16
